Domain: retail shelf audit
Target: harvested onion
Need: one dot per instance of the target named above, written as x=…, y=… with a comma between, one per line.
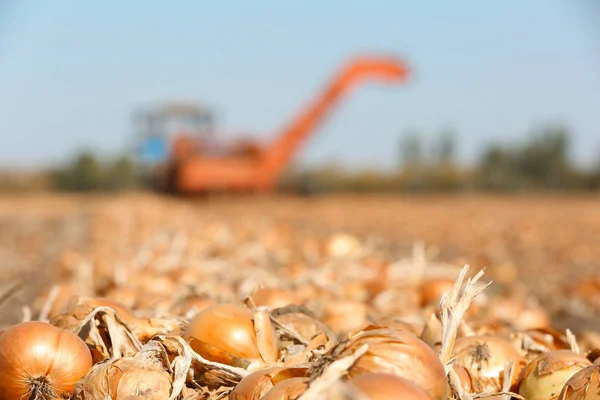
x=382, y=386
x=141, y=376
x=273, y=298
x=485, y=358
x=584, y=385
x=545, y=376
x=289, y=389
x=400, y=353
x=255, y=385
x=38, y=360
x=226, y=333
x=433, y=289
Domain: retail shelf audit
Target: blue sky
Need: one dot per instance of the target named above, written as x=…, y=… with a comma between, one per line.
x=71, y=72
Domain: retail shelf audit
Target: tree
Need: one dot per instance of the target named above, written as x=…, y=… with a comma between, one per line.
x=410, y=149
x=120, y=175
x=83, y=174
x=444, y=150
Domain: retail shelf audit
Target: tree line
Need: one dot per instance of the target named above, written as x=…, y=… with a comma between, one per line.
x=542, y=161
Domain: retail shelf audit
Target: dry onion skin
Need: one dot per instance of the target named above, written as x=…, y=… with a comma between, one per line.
x=401, y=353
x=125, y=378
x=584, y=385
x=545, y=376
x=289, y=389
x=382, y=386
x=41, y=361
x=484, y=358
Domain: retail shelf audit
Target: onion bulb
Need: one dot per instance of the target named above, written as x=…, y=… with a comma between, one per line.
x=433, y=289
x=584, y=385
x=137, y=377
x=273, y=298
x=255, y=385
x=545, y=376
x=38, y=360
x=485, y=358
x=226, y=333
x=289, y=389
x=401, y=353
x=382, y=386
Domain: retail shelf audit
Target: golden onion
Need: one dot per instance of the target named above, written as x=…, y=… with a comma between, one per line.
x=39, y=361
x=485, y=358
x=382, y=386
x=289, y=389
x=433, y=289
x=273, y=298
x=255, y=385
x=545, y=376
x=584, y=385
x=401, y=353
x=226, y=333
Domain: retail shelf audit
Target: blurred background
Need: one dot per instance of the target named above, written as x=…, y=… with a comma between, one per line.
x=499, y=97
x=469, y=126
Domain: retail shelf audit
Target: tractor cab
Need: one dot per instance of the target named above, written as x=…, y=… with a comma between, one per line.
x=172, y=132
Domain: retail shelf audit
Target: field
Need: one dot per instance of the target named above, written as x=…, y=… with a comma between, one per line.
x=150, y=253
x=545, y=242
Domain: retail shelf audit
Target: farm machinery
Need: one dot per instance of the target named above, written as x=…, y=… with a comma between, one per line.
x=181, y=153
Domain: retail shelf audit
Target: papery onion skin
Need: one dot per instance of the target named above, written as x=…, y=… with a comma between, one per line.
x=125, y=378
x=485, y=358
x=250, y=387
x=382, y=386
x=466, y=382
x=584, y=385
x=546, y=375
x=289, y=389
x=39, y=352
x=401, y=353
x=224, y=328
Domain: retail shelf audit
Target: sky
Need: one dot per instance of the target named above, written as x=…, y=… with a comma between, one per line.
x=72, y=72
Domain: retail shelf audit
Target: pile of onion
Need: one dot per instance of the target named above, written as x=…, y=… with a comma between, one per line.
x=41, y=361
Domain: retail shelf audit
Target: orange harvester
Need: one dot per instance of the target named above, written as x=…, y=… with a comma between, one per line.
x=247, y=166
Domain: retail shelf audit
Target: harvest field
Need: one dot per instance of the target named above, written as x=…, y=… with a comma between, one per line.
x=351, y=260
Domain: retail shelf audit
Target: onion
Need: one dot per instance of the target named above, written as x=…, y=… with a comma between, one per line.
x=401, y=353
x=85, y=305
x=273, y=298
x=198, y=303
x=255, y=385
x=546, y=375
x=381, y=386
x=466, y=383
x=344, y=316
x=343, y=245
x=485, y=358
x=41, y=361
x=226, y=333
x=584, y=385
x=399, y=325
x=289, y=389
x=433, y=289
x=138, y=377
